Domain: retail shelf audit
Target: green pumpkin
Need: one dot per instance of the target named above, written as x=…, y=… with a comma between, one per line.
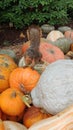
x=63, y=29
x=63, y=44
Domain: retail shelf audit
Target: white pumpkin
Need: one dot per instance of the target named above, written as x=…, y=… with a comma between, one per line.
x=54, y=35
x=54, y=91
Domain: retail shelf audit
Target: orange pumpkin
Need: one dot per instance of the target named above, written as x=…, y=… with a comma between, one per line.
x=50, y=53
x=17, y=118
x=1, y=125
x=24, y=78
x=11, y=102
x=33, y=115
x=4, y=79
x=69, y=34
x=7, y=65
x=7, y=62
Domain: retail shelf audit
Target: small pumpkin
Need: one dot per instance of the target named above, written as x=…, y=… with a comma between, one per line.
x=24, y=78
x=11, y=102
x=54, y=35
x=33, y=115
x=50, y=53
x=46, y=28
x=69, y=34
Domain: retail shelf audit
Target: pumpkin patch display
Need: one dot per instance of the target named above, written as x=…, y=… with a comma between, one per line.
x=50, y=53
x=54, y=35
x=54, y=90
x=11, y=102
x=24, y=79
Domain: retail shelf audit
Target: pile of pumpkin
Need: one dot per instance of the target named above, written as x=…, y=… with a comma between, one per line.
x=17, y=85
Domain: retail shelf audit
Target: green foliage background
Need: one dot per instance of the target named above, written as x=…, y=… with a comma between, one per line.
x=26, y=12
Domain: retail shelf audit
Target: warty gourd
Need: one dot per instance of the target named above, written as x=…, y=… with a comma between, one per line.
x=54, y=90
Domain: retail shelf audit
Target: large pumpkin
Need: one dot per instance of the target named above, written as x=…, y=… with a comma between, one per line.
x=25, y=78
x=7, y=65
x=69, y=34
x=54, y=35
x=50, y=53
x=11, y=102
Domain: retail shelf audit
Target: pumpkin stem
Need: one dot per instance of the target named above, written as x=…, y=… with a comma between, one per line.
x=13, y=94
x=22, y=88
x=27, y=100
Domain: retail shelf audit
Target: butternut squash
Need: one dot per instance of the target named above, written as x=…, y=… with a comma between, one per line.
x=61, y=121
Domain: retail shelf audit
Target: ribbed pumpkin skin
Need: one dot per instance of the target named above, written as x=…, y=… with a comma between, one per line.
x=6, y=66
x=26, y=77
x=54, y=35
x=69, y=34
x=50, y=53
x=11, y=103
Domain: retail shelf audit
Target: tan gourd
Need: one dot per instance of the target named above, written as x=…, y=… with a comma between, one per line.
x=61, y=121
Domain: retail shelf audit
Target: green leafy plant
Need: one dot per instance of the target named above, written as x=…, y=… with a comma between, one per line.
x=22, y=12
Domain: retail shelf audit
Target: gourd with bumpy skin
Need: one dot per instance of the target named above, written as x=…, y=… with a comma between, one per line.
x=54, y=91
